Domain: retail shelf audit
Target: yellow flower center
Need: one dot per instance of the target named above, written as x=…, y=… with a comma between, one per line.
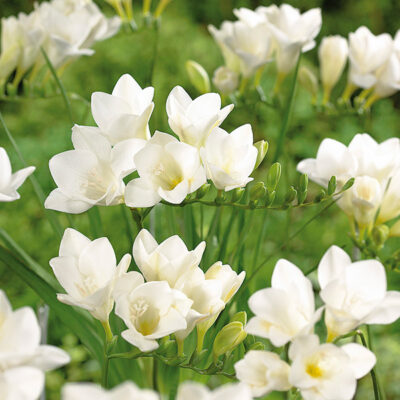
x=314, y=370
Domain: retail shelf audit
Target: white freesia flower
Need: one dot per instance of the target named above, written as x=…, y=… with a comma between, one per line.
x=125, y=113
x=292, y=31
x=264, y=372
x=232, y=61
x=332, y=53
x=325, y=371
x=354, y=293
x=71, y=28
x=287, y=309
x=10, y=182
x=251, y=44
x=372, y=165
x=367, y=53
x=22, y=358
x=21, y=39
x=387, y=78
x=92, y=173
x=150, y=310
x=88, y=271
x=231, y=391
x=166, y=261
x=229, y=158
x=225, y=80
x=390, y=207
x=91, y=391
x=168, y=170
x=193, y=120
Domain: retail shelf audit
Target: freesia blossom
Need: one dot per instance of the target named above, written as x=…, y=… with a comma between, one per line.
x=225, y=80
x=71, y=28
x=251, y=44
x=229, y=158
x=168, y=170
x=166, y=261
x=354, y=293
x=91, y=391
x=367, y=53
x=22, y=358
x=92, y=173
x=332, y=53
x=150, y=310
x=292, y=31
x=193, y=120
x=387, y=78
x=231, y=391
x=10, y=182
x=373, y=165
x=263, y=371
x=286, y=309
x=325, y=371
x=125, y=113
x=220, y=35
x=88, y=271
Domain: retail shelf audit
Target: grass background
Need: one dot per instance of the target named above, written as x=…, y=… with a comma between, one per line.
x=42, y=129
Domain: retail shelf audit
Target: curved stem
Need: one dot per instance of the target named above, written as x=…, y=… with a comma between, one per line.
x=109, y=337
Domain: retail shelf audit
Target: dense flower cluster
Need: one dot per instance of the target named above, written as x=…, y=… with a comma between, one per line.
x=65, y=29
x=261, y=36
x=169, y=169
x=375, y=196
x=353, y=293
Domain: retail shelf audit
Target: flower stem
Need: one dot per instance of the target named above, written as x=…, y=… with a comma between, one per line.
x=109, y=337
x=286, y=116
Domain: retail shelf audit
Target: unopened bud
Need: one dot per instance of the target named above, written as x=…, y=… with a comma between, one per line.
x=308, y=80
x=258, y=191
x=270, y=197
x=262, y=148
x=332, y=185
x=198, y=76
x=380, y=234
x=237, y=194
x=257, y=346
x=225, y=80
x=202, y=190
x=274, y=174
x=241, y=317
x=290, y=195
x=228, y=338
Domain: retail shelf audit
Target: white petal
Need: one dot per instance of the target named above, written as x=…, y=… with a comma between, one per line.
x=332, y=265
x=362, y=360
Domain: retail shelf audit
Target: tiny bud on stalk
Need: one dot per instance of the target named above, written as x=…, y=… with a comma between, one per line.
x=274, y=174
x=198, y=77
x=262, y=148
x=228, y=338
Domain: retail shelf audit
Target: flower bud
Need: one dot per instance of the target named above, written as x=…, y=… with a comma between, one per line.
x=309, y=81
x=380, y=234
x=320, y=196
x=198, y=76
x=257, y=346
x=332, y=185
x=202, y=190
x=262, y=148
x=332, y=53
x=274, y=174
x=228, y=338
x=258, y=191
x=225, y=80
x=270, y=197
x=290, y=195
x=237, y=194
x=241, y=317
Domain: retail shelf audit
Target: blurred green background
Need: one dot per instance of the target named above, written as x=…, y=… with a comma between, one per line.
x=42, y=129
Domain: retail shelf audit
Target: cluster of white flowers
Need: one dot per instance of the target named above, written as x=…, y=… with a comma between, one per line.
x=10, y=182
x=23, y=360
x=375, y=195
x=171, y=294
x=374, y=63
x=261, y=36
x=65, y=29
x=353, y=294
x=168, y=169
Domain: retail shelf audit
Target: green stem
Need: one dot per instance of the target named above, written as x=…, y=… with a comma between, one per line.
x=60, y=85
x=373, y=375
x=286, y=117
x=109, y=337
